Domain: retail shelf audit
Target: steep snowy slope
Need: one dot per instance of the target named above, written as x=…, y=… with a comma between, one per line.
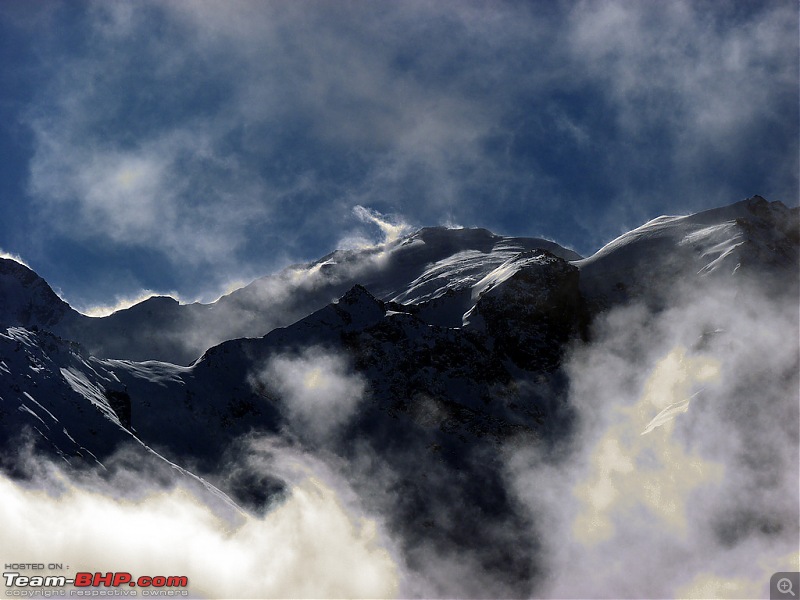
x=750, y=237
x=81, y=408
x=58, y=403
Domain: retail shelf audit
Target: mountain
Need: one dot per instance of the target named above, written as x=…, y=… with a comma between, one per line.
x=435, y=268
x=449, y=397
x=430, y=264
x=26, y=300
x=441, y=309
x=442, y=353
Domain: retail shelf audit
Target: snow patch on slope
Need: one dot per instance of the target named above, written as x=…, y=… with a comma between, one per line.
x=81, y=385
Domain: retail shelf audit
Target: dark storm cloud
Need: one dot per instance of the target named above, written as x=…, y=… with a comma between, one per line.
x=230, y=141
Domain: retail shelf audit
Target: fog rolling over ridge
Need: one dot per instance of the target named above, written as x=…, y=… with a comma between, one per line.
x=451, y=413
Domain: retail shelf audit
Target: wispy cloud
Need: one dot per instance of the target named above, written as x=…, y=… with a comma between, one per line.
x=391, y=229
x=172, y=192
x=234, y=140
x=694, y=82
x=319, y=389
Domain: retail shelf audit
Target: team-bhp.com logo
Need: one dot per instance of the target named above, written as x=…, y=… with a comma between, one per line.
x=157, y=585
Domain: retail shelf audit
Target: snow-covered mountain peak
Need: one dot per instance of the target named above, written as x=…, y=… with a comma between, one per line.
x=26, y=299
x=456, y=259
x=750, y=235
x=669, y=229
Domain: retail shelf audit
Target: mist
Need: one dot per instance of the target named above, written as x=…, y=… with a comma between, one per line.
x=319, y=390
x=312, y=543
x=682, y=477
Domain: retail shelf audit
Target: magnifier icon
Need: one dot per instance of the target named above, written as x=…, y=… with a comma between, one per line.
x=784, y=586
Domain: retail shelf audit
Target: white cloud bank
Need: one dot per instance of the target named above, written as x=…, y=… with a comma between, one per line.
x=310, y=546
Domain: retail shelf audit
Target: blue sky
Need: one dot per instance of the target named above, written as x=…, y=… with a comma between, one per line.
x=186, y=147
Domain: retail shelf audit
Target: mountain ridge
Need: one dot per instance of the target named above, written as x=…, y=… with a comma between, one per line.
x=434, y=267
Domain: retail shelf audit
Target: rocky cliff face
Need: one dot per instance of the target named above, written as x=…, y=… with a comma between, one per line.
x=530, y=307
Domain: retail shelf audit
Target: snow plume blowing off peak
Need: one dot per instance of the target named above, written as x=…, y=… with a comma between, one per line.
x=392, y=228
x=684, y=483
x=14, y=257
